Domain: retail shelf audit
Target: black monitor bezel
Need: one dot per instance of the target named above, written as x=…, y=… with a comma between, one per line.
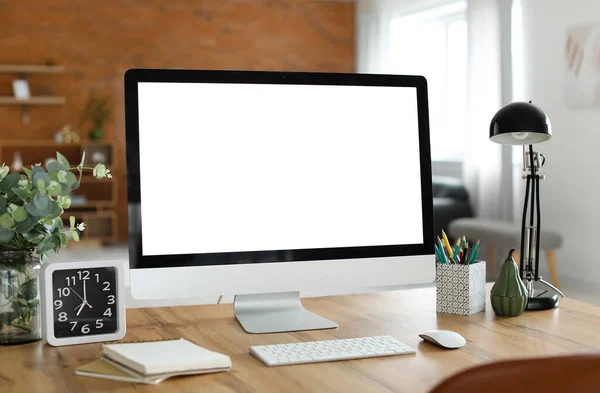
x=138, y=260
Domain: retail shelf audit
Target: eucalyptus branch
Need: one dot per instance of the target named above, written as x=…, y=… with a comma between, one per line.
x=34, y=200
x=83, y=167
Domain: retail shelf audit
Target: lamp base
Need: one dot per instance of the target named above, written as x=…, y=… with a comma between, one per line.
x=542, y=303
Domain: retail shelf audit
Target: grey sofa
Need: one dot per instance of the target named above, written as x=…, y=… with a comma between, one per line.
x=450, y=201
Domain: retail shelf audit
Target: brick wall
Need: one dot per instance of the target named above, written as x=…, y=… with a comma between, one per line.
x=98, y=40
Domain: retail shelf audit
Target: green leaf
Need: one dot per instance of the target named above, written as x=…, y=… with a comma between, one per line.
x=33, y=237
x=44, y=257
x=72, y=222
x=75, y=186
x=40, y=201
x=54, y=188
x=63, y=239
x=59, y=224
x=3, y=171
x=39, y=173
x=10, y=181
x=75, y=235
x=3, y=202
x=71, y=179
x=27, y=225
x=65, y=189
x=6, y=221
x=63, y=161
x=55, y=166
x=45, y=245
x=57, y=243
x=36, y=211
x=41, y=186
x=27, y=172
x=22, y=301
x=20, y=214
x=64, y=201
x=21, y=194
x=55, y=212
x=29, y=289
x=6, y=235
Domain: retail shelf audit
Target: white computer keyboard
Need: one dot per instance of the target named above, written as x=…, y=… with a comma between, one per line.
x=329, y=350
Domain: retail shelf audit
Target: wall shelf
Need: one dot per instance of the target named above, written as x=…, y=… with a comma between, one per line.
x=24, y=70
x=40, y=100
x=31, y=69
x=50, y=143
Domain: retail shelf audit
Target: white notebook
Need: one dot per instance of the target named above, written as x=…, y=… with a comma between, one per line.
x=153, y=362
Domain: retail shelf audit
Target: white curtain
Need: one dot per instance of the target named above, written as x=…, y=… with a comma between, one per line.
x=488, y=166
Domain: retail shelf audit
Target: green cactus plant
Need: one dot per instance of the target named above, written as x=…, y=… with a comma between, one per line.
x=509, y=293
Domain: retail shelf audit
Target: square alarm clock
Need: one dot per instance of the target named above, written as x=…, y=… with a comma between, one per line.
x=83, y=302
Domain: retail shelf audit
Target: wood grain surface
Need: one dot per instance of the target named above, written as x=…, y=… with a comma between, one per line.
x=570, y=329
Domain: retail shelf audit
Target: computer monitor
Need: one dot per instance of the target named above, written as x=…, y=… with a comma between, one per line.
x=271, y=185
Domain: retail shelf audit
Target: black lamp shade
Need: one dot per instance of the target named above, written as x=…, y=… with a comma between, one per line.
x=520, y=123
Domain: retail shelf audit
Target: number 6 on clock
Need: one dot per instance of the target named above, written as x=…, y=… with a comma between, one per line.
x=83, y=302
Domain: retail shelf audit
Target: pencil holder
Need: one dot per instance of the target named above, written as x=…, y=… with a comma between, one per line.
x=460, y=288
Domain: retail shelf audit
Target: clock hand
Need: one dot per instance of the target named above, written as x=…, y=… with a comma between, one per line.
x=84, y=295
x=80, y=307
x=78, y=295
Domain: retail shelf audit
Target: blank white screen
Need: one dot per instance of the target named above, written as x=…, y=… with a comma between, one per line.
x=248, y=167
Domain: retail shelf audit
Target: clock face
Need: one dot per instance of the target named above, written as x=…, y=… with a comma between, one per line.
x=84, y=302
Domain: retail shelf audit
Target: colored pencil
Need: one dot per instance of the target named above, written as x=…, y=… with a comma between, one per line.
x=447, y=244
x=466, y=254
x=463, y=251
x=457, y=251
x=441, y=249
x=475, y=252
x=437, y=254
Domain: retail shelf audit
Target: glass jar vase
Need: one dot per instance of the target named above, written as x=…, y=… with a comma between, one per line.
x=20, y=317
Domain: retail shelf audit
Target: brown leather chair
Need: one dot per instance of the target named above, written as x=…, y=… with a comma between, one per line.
x=565, y=374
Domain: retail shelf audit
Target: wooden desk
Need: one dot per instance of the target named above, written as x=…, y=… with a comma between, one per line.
x=573, y=328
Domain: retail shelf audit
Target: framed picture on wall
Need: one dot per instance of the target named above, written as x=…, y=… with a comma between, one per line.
x=582, y=66
x=21, y=89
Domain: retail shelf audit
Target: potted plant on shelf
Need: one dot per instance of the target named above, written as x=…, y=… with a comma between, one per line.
x=97, y=111
x=32, y=205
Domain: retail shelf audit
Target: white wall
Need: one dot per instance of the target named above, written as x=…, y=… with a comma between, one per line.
x=570, y=195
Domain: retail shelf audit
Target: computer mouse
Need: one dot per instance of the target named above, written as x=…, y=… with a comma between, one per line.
x=444, y=338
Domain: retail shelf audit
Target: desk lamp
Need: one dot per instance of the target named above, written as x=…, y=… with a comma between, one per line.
x=522, y=123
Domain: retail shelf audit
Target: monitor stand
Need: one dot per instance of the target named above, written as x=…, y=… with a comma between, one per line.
x=275, y=313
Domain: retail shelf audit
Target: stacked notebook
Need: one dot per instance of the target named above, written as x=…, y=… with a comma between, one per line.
x=153, y=362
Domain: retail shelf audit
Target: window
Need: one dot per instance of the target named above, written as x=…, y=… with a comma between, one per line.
x=433, y=43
